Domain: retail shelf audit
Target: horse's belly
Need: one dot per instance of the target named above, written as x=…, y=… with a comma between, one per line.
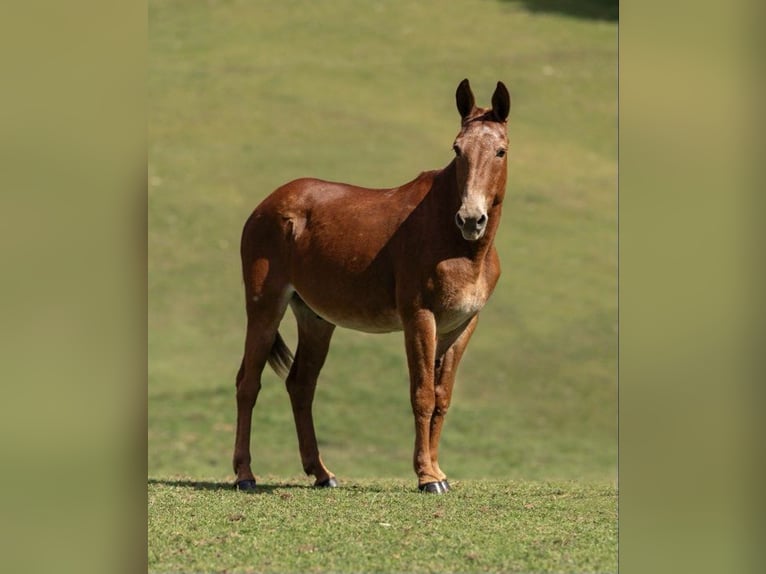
x=386, y=323
x=352, y=310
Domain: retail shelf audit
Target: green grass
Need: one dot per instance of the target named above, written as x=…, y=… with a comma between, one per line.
x=382, y=526
x=245, y=96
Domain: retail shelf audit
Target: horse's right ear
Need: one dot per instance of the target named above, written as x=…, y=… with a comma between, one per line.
x=464, y=99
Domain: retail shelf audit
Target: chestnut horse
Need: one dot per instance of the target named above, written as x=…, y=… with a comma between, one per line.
x=418, y=258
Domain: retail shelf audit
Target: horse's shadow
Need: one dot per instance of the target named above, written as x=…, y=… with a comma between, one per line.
x=208, y=485
x=261, y=488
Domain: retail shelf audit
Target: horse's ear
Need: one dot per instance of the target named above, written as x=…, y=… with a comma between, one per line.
x=464, y=99
x=501, y=102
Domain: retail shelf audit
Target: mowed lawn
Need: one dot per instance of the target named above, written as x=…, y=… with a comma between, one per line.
x=245, y=96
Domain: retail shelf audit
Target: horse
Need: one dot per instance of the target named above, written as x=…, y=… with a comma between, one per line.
x=418, y=258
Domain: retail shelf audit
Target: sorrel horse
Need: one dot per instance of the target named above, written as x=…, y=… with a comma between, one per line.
x=418, y=258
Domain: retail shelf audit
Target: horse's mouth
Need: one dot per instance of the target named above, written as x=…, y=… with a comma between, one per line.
x=472, y=235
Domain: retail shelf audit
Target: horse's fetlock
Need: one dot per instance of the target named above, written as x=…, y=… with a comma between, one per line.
x=241, y=461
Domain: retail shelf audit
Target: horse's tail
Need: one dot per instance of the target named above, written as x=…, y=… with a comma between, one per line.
x=280, y=357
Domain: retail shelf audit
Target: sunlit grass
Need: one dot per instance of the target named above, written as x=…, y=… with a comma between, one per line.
x=382, y=525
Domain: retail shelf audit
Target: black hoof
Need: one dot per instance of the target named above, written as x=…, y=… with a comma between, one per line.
x=328, y=483
x=445, y=485
x=434, y=487
x=245, y=485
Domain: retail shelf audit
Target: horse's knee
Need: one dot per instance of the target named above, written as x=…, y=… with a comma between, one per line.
x=423, y=398
x=441, y=400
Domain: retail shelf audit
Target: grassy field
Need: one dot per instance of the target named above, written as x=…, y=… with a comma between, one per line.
x=247, y=95
x=383, y=526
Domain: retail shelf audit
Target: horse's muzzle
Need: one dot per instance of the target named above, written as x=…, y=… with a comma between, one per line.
x=471, y=226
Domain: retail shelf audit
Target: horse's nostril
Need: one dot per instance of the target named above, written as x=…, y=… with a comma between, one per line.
x=459, y=220
x=482, y=220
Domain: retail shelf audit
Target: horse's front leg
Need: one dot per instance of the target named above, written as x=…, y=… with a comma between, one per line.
x=449, y=351
x=420, y=342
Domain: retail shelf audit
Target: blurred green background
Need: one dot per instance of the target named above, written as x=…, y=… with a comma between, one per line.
x=245, y=96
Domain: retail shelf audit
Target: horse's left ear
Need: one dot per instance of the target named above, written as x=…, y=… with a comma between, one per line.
x=501, y=102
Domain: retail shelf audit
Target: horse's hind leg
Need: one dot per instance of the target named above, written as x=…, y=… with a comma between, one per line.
x=263, y=319
x=314, y=336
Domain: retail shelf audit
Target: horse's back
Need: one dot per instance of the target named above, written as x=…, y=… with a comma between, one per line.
x=310, y=193
x=348, y=217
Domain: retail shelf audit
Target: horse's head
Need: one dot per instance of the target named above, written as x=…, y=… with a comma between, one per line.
x=480, y=148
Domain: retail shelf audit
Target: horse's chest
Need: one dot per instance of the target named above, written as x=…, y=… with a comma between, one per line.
x=461, y=292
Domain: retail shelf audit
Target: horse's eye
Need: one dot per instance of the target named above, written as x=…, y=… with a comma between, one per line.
x=456, y=149
x=500, y=153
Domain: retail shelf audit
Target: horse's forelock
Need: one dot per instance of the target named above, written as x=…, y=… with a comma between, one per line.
x=482, y=115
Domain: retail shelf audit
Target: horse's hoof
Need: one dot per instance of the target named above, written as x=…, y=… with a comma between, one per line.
x=245, y=485
x=445, y=485
x=327, y=483
x=434, y=487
